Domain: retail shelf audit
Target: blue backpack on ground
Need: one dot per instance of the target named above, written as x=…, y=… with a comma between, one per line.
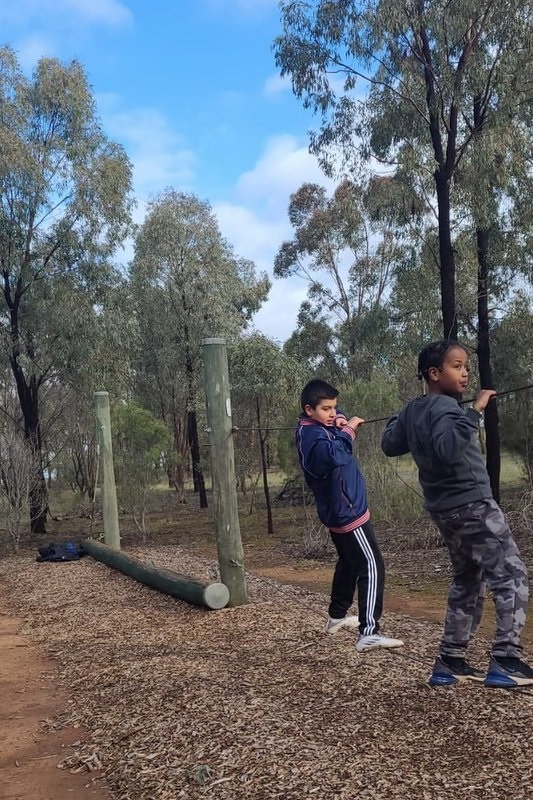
x=66, y=551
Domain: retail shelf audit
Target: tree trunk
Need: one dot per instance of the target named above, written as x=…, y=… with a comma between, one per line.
x=446, y=256
x=176, y=470
x=194, y=445
x=28, y=394
x=492, y=428
x=192, y=424
x=264, y=469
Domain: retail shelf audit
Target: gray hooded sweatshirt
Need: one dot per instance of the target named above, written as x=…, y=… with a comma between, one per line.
x=443, y=440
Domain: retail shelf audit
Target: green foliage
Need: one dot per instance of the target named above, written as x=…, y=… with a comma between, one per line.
x=347, y=255
x=263, y=375
x=513, y=368
x=438, y=92
x=370, y=400
x=391, y=496
x=265, y=381
x=64, y=209
x=286, y=447
x=187, y=285
x=17, y=474
x=139, y=444
x=314, y=343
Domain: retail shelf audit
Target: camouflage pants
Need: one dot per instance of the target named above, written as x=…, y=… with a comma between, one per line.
x=482, y=549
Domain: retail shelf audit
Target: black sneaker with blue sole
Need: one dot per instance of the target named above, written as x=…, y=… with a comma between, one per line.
x=450, y=671
x=507, y=673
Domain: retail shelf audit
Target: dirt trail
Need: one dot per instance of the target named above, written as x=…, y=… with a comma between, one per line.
x=30, y=692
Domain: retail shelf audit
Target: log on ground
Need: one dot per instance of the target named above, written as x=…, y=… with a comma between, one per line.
x=211, y=595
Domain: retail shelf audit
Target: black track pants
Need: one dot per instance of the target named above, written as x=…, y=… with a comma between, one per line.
x=360, y=564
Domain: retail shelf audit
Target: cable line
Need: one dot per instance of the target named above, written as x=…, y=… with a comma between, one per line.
x=237, y=429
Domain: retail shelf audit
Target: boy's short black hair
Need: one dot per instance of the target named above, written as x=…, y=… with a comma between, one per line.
x=433, y=355
x=315, y=391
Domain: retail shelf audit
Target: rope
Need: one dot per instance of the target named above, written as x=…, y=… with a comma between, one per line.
x=236, y=429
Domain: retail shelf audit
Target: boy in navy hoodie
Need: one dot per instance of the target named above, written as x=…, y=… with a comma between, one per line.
x=324, y=438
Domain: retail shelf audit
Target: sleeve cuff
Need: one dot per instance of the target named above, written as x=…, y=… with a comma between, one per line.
x=474, y=415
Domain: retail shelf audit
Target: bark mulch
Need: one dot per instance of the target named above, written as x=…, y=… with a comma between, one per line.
x=257, y=702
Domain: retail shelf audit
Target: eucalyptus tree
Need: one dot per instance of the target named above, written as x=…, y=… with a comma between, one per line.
x=187, y=284
x=64, y=208
x=438, y=73
x=265, y=381
x=348, y=261
x=513, y=369
x=314, y=343
x=17, y=475
x=449, y=101
x=69, y=431
x=139, y=445
x=495, y=184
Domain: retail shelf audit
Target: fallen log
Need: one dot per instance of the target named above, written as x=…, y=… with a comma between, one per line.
x=210, y=595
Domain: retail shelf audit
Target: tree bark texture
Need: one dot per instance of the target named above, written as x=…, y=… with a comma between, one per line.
x=264, y=468
x=28, y=394
x=194, y=445
x=492, y=428
x=446, y=257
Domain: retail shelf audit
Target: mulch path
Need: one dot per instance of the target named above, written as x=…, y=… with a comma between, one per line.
x=256, y=702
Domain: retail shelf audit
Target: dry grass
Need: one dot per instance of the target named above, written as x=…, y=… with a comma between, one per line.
x=257, y=703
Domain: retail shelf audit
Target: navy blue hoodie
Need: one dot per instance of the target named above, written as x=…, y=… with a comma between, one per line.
x=332, y=474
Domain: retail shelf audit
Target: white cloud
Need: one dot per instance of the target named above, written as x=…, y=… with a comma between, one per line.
x=160, y=159
x=249, y=7
x=254, y=220
x=31, y=48
x=279, y=172
x=275, y=85
x=277, y=318
x=250, y=235
x=27, y=12
x=256, y=224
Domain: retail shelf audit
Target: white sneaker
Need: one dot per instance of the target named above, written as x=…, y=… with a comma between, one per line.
x=375, y=640
x=334, y=625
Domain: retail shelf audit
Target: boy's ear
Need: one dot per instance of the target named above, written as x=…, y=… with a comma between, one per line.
x=433, y=374
x=308, y=409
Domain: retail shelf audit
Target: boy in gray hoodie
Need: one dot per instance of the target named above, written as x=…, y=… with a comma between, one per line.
x=443, y=440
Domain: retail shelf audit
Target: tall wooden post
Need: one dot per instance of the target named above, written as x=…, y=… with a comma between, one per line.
x=227, y=527
x=109, y=492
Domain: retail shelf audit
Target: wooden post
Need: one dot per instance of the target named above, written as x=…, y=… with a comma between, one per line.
x=227, y=527
x=107, y=473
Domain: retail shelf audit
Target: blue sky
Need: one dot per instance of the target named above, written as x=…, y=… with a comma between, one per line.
x=190, y=89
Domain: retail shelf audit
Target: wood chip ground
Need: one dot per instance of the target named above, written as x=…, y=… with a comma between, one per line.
x=257, y=702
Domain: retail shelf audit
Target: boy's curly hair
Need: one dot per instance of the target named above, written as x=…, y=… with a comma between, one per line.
x=433, y=355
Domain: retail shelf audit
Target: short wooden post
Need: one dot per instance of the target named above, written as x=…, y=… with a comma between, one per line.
x=107, y=472
x=227, y=527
